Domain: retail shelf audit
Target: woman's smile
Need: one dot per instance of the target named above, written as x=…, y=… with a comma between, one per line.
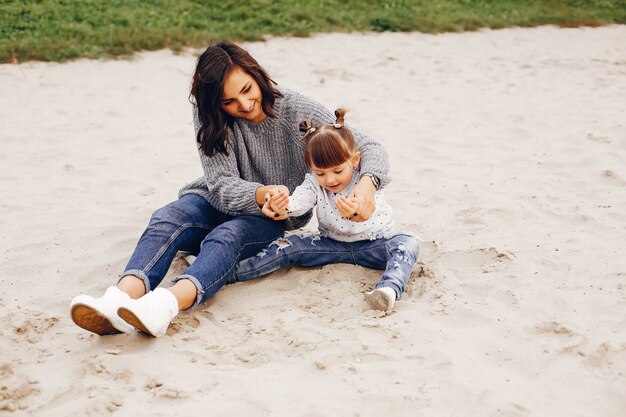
x=242, y=96
x=250, y=109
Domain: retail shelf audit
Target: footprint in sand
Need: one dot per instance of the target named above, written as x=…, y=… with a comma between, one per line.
x=184, y=323
x=611, y=178
x=422, y=280
x=483, y=260
x=607, y=362
x=15, y=389
x=559, y=338
x=597, y=138
x=602, y=361
x=32, y=326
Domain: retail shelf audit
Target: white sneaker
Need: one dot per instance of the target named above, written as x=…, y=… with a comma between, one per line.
x=151, y=313
x=381, y=299
x=99, y=315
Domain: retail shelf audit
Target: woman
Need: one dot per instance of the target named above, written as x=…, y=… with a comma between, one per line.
x=247, y=131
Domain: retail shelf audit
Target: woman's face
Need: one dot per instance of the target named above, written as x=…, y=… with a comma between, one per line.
x=242, y=96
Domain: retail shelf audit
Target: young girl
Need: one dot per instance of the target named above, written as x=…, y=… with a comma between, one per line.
x=332, y=156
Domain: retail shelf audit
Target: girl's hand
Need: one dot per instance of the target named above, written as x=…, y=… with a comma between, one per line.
x=267, y=210
x=279, y=199
x=347, y=207
x=273, y=190
x=364, y=193
x=275, y=202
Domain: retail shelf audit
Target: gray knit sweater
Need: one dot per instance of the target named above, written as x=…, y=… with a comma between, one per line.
x=271, y=152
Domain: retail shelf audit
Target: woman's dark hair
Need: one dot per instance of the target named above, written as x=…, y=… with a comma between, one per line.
x=207, y=87
x=328, y=145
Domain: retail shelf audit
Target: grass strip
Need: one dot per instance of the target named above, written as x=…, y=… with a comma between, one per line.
x=59, y=30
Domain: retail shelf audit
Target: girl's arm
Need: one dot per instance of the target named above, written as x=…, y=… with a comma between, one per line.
x=304, y=197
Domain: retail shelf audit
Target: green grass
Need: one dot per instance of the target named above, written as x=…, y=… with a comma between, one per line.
x=65, y=29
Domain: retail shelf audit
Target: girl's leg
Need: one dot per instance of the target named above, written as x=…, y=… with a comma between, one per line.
x=308, y=250
x=222, y=249
x=395, y=255
x=403, y=251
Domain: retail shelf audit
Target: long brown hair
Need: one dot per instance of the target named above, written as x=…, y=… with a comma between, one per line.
x=207, y=88
x=328, y=145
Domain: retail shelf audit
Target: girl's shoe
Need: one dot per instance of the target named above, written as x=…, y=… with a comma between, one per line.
x=381, y=299
x=99, y=315
x=151, y=313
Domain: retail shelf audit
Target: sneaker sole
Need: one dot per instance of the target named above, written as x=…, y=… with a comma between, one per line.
x=90, y=320
x=377, y=301
x=130, y=318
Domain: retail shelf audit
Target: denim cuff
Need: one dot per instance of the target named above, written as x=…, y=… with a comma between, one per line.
x=194, y=280
x=139, y=274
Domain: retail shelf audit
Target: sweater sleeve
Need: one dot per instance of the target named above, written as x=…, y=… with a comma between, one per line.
x=227, y=191
x=374, y=156
x=303, y=198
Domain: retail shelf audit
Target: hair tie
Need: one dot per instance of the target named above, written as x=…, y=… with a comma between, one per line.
x=340, y=114
x=306, y=126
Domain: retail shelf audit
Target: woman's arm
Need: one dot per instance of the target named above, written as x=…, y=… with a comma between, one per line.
x=363, y=193
x=374, y=159
x=227, y=191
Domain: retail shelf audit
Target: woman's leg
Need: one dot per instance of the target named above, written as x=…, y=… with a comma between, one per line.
x=220, y=251
x=307, y=250
x=180, y=225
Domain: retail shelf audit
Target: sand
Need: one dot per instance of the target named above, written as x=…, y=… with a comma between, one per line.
x=508, y=152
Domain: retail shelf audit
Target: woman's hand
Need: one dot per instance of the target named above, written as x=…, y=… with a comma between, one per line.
x=347, y=207
x=273, y=190
x=267, y=210
x=275, y=200
x=364, y=193
x=278, y=199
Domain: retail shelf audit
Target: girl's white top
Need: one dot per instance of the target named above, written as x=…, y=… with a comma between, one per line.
x=310, y=194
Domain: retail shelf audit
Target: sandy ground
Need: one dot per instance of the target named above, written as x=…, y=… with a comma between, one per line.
x=509, y=160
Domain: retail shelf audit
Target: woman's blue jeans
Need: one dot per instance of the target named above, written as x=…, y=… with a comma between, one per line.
x=218, y=240
x=396, y=255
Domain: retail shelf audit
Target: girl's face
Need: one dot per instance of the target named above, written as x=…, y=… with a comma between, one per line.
x=242, y=96
x=336, y=178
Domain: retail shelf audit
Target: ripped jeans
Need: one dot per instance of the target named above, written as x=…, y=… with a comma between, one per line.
x=396, y=255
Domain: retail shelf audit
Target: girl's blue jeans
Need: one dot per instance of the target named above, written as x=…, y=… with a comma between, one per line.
x=395, y=255
x=192, y=225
